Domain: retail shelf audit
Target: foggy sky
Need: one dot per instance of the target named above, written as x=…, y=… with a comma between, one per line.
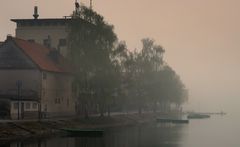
x=201, y=39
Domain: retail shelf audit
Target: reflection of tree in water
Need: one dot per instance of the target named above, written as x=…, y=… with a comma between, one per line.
x=53, y=142
x=89, y=142
x=145, y=136
x=154, y=135
x=170, y=135
x=60, y=142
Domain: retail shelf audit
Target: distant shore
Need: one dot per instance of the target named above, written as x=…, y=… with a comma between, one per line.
x=14, y=131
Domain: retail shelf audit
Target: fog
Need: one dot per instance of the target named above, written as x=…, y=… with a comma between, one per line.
x=201, y=39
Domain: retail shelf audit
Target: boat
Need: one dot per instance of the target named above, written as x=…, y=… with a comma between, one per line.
x=176, y=121
x=83, y=132
x=197, y=116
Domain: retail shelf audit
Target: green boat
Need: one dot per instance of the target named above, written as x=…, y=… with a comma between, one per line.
x=197, y=116
x=176, y=121
x=83, y=132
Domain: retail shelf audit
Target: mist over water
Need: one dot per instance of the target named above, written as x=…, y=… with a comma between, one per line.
x=218, y=131
x=201, y=39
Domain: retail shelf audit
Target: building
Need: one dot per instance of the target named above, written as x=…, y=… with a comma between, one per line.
x=35, y=81
x=49, y=32
x=35, y=78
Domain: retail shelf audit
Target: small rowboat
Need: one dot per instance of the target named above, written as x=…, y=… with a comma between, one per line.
x=83, y=132
x=197, y=116
x=176, y=121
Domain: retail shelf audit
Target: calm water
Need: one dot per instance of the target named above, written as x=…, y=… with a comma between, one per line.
x=218, y=131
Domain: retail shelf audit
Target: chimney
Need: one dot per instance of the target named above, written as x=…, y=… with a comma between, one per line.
x=54, y=55
x=9, y=37
x=35, y=15
x=49, y=41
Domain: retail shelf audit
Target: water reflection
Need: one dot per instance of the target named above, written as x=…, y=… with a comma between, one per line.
x=153, y=135
x=55, y=142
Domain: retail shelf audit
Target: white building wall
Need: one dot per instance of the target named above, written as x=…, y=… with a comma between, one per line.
x=54, y=90
x=57, y=97
x=30, y=109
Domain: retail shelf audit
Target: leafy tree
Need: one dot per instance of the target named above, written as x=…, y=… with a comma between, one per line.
x=149, y=80
x=108, y=75
x=91, y=42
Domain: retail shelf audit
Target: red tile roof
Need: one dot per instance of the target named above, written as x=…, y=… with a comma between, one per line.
x=39, y=54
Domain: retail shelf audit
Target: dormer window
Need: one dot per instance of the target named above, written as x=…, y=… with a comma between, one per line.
x=45, y=42
x=62, y=42
x=31, y=40
x=44, y=76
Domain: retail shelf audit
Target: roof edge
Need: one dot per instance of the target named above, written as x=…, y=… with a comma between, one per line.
x=42, y=19
x=15, y=43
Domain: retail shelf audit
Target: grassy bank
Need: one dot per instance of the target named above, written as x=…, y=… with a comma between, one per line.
x=34, y=129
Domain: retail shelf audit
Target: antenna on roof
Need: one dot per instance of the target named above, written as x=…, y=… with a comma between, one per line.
x=77, y=8
x=35, y=15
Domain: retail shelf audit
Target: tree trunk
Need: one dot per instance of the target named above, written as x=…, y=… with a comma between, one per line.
x=86, y=116
x=154, y=107
x=102, y=113
x=139, y=110
x=109, y=111
x=101, y=110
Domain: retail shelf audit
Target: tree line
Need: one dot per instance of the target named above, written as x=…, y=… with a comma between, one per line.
x=108, y=77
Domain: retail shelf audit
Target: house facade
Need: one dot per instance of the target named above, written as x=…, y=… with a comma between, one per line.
x=35, y=81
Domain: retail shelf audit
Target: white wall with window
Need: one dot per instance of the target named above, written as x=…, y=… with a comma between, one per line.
x=27, y=106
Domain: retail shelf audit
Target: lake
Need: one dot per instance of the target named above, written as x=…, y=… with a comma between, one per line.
x=217, y=131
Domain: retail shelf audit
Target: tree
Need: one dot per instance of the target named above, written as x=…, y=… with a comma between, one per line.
x=91, y=42
x=107, y=74
x=150, y=81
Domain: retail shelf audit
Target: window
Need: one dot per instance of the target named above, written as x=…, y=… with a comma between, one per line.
x=44, y=75
x=43, y=92
x=62, y=42
x=15, y=106
x=28, y=106
x=57, y=101
x=31, y=40
x=34, y=105
x=67, y=102
x=45, y=42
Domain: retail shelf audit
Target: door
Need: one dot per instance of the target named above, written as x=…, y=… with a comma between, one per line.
x=22, y=110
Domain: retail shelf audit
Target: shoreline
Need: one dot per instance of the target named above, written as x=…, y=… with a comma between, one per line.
x=18, y=131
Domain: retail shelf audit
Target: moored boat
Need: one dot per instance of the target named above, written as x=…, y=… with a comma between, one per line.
x=83, y=132
x=197, y=116
x=176, y=121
